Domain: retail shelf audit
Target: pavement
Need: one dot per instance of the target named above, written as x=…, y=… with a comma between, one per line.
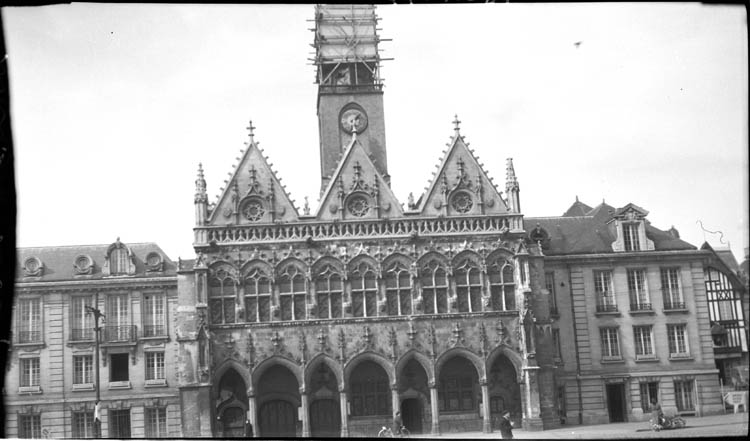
x=724, y=426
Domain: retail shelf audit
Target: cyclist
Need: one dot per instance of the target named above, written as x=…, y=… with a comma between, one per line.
x=385, y=433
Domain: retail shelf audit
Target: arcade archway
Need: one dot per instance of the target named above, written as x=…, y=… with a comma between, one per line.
x=278, y=400
x=231, y=405
x=504, y=390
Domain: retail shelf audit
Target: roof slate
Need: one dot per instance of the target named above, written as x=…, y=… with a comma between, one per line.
x=58, y=261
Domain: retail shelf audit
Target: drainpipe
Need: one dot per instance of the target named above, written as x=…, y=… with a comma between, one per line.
x=575, y=341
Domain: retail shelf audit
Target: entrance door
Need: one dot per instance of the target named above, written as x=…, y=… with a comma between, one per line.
x=616, y=402
x=233, y=421
x=325, y=418
x=411, y=414
x=278, y=418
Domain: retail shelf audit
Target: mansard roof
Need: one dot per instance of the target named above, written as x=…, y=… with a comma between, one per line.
x=59, y=262
x=593, y=233
x=252, y=177
x=357, y=173
x=460, y=168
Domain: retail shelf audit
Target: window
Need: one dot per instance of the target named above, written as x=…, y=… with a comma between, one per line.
x=649, y=393
x=30, y=372
x=329, y=293
x=434, y=288
x=257, y=297
x=29, y=426
x=610, y=344
x=639, y=299
x=398, y=290
x=630, y=236
x=605, y=295
x=549, y=283
x=644, y=346
x=678, y=344
x=502, y=288
x=83, y=366
x=155, y=366
x=118, y=261
x=29, y=320
x=156, y=422
x=292, y=294
x=468, y=288
x=364, y=292
x=118, y=321
x=154, y=315
x=81, y=322
x=118, y=367
x=558, y=347
x=683, y=393
x=119, y=423
x=670, y=286
x=370, y=394
x=83, y=424
x=456, y=394
x=223, y=296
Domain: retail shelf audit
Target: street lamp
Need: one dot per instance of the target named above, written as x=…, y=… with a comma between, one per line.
x=97, y=315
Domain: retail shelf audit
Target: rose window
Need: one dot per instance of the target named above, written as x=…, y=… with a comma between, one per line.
x=358, y=206
x=253, y=211
x=462, y=202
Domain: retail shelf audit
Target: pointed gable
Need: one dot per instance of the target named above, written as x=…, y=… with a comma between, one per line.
x=357, y=191
x=461, y=186
x=577, y=209
x=253, y=194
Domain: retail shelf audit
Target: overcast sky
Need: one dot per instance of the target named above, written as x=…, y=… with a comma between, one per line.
x=114, y=106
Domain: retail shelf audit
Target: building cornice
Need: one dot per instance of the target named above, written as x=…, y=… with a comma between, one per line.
x=633, y=257
x=98, y=284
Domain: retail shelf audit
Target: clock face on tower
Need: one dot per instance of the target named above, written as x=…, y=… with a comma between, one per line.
x=353, y=119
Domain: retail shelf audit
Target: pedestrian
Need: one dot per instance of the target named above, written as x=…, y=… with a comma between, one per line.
x=397, y=423
x=506, y=426
x=656, y=414
x=248, y=429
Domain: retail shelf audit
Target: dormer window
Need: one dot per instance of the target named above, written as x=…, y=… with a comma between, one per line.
x=33, y=267
x=118, y=261
x=630, y=236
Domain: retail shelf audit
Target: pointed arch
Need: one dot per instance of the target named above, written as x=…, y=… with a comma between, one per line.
x=282, y=266
x=277, y=360
x=319, y=265
x=434, y=271
x=461, y=352
x=507, y=352
x=359, y=260
x=329, y=361
x=466, y=255
x=419, y=357
x=392, y=258
x=398, y=271
x=259, y=264
x=369, y=356
x=432, y=256
x=226, y=366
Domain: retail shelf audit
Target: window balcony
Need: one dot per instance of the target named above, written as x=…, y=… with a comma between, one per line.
x=645, y=357
x=677, y=356
x=607, y=309
x=118, y=334
x=675, y=307
x=641, y=308
x=154, y=331
x=26, y=337
x=83, y=334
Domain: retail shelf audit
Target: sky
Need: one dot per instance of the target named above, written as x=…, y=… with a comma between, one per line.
x=113, y=106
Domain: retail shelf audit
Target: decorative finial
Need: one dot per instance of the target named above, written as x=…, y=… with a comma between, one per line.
x=250, y=132
x=306, y=208
x=576, y=198
x=456, y=124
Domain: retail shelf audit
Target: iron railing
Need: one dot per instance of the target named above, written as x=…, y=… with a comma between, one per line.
x=124, y=333
x=29, y=336
x=605, y=307
x=78, y=334
x=674, y=305
x=154, y=330
x=640, y=307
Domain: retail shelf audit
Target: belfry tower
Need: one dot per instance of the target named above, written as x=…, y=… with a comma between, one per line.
x=350, y=90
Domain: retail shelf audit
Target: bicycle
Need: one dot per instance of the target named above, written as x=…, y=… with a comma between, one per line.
x=386, y=432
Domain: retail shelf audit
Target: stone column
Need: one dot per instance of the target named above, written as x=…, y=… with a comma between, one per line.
x=252, y=414
x=487, y=418
x=395, y=402
x=532, y=419
x=344, y=413
x=305, y=415
x=434, y=409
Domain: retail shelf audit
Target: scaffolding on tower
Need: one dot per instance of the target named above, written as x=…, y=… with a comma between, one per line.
x=346, y=48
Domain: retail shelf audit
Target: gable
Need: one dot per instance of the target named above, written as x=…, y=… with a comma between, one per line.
x=253, y=194
x=461, y=186
x=357, y=191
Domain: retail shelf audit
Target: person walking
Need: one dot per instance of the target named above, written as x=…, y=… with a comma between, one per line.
x=656, y=413
x=248, y=429
x=506, y=426
x=397, y=423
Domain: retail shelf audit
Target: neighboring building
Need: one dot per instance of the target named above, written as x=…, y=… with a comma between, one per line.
x=728, y=314
x=50, y=382
x=631, y=315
